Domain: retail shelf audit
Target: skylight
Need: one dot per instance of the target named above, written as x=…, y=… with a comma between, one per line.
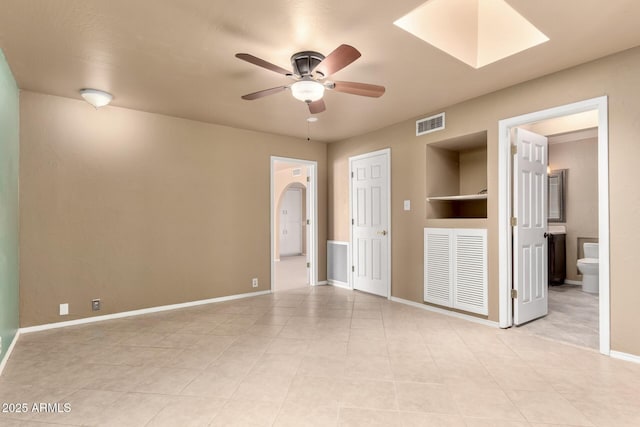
x=477, y=32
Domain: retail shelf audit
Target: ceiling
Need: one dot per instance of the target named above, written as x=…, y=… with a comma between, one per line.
x=176, y=57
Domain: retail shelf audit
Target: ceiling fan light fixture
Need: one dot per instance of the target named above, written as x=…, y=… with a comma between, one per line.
x=95, y=97
x=307, y=90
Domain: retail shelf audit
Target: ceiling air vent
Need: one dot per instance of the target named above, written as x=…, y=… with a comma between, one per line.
x=430, y=124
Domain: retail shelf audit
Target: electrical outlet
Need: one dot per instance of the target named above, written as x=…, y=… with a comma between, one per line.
x=254, y=282
x=64, y=309
x=95, y=304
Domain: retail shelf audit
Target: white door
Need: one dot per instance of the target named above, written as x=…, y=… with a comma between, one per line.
x=370, y=223
x=291, y=223
x=529, y=233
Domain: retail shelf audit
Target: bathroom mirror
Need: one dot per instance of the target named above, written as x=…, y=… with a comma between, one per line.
x=556, y=195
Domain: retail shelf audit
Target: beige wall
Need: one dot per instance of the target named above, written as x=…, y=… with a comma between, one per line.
x=581, y=197
x=615, y=76
x=141, y=209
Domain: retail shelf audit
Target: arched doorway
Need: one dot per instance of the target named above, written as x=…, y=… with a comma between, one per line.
x=293, y=227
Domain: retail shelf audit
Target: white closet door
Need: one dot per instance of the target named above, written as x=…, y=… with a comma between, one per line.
x=291, y=223
x=370, y=198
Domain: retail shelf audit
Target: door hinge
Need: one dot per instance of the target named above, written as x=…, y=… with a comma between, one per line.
x=514, y=221
x=353, y=221
x=353, y=268
x=308, y=222
x=514, y=150
x=514, y=293
x=308, y=265
x=351, y=174
x=308, y=179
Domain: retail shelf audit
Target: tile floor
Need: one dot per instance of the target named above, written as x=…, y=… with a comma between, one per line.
x=290, y=273
x=573, y=317
x=314, y=357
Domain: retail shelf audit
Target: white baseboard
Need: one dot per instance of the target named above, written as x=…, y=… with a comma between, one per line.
x=4, y=360
x=138, y=312
x=339, y=284
x=572, y=282
x=625, y=356
x=447, y=312
x=322, y=283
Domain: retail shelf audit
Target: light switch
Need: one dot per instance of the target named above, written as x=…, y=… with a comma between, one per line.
x=407, y=205
x=64, y=309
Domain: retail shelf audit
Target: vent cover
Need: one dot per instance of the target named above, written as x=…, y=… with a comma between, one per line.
x=430, y=124
x=296, y=172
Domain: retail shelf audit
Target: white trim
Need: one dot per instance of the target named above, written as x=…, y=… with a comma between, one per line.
x=572, y=282
x=338, y=242
x=5, y=359
x=339, y=284
x=312, y=195
x=504, y=207
x=624, y=356
x=142, y=311
x=447, y=312
x=323, y=283
x=387, y=152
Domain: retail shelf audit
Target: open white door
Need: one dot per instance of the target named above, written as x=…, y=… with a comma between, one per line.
x=530, y=232
x=370, y=223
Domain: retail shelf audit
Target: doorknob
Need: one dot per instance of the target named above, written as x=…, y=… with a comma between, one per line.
x=546, y=235
x=383, y=232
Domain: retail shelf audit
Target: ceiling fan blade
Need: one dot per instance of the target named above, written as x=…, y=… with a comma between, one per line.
x=362, y=89
x=338, y=59
x=262, y=63
x=261, y=93
x=317, y=106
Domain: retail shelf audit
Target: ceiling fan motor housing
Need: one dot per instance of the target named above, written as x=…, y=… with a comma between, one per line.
x=304, y=63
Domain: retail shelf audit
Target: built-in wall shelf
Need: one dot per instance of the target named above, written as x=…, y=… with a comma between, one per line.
x=456, y=178
x=456, y=222
x=461, y=197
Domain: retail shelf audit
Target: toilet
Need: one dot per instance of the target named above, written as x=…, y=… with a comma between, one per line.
x=588, y=267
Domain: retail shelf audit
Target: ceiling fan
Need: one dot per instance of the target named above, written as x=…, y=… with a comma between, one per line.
x=310, y=71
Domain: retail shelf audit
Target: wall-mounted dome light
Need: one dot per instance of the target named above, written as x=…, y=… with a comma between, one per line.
x=95, y=97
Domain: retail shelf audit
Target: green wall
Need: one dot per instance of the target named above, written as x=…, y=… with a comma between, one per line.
x=9, y=205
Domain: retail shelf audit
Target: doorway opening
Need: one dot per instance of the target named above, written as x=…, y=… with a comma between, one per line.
x=583, y=126
x=293, y=224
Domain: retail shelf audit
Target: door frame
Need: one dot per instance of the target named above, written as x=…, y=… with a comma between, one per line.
x=505, y=233
x=312, y=214
x=386, y=152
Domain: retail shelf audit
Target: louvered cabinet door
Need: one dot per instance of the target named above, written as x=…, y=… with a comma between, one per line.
x=438, y=274
x=470, y=270
x=455, y=268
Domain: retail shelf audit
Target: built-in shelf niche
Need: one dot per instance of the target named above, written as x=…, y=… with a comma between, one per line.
x=457, y=177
